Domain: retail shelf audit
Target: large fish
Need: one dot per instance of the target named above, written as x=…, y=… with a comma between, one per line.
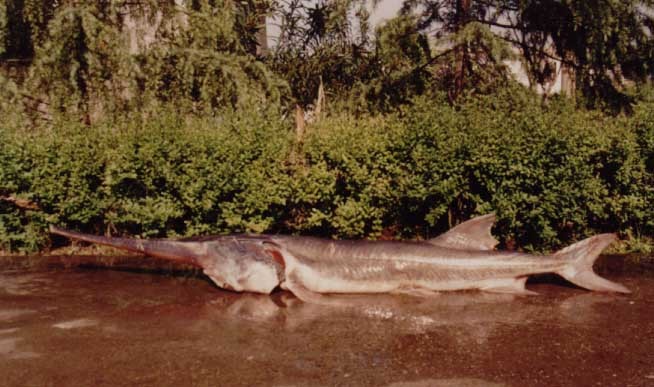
x=462, y=258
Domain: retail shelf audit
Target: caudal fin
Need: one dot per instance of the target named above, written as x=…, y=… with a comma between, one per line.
x=581, y=256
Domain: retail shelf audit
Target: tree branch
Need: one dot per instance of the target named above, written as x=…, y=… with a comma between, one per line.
x=23, y=204
x=500, y=25
x=542, y=52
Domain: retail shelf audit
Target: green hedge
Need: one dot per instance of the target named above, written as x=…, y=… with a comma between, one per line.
x=552, y=175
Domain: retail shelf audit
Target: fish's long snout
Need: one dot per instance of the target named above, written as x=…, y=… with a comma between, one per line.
x=184, y=252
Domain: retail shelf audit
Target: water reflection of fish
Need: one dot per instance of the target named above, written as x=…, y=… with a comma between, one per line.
x=476, y=313
x=407, y=314
x=462, y=258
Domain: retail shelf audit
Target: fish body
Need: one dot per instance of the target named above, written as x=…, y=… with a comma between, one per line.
x=326, y=266
x=463, y=258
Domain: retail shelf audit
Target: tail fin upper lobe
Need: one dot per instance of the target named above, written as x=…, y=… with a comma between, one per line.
x=582, y=255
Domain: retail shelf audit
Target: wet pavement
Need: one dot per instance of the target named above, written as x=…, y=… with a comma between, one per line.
x=84, y=326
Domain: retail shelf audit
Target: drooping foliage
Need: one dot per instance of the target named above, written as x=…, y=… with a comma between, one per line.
x=600, y=44
x=102, y=59
x=81, y=67
x=203, y=54
x=207, y=60
x=604, y=44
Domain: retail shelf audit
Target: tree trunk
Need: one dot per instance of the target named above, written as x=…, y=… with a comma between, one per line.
x=462, y=12
x=568, y=78
x=262, y=37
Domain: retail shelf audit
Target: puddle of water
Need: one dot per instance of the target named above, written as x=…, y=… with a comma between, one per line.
x=101, y=327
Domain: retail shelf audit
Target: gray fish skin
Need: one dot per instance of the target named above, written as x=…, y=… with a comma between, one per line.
x=323, y=266
x=463, y=258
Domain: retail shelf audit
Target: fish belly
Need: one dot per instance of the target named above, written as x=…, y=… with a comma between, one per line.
x=380, y=279
x=383, y=276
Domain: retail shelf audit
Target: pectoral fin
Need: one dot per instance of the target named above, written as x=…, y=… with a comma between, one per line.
x=295, y=286
x=304, y=294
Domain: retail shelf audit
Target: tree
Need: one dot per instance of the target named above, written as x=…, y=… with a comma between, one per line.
x=202, y=55
x=470, y=55
x=400, y=60
x=326, y=41
x=80, y=66
x=208, y=60
x=603, y=43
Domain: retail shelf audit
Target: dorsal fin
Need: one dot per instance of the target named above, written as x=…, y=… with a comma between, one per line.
x=474, y=234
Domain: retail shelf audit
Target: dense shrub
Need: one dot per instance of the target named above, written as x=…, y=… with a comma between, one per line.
x=552, y=175
x=347, y=185
x=161, y=176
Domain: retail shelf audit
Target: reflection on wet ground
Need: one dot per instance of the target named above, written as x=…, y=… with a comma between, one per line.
x=104, y=327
